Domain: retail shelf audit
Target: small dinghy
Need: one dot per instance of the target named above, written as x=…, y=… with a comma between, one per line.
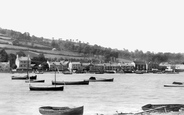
x=173, y=85
x=70, y=82
x=49, y=110
x=46, y=88
x=94, y=79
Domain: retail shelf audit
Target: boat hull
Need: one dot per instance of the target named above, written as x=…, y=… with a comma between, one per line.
x=173, y=85
x=85, y=82
x=93, y=79
x=179, y=83
x=23, y=78
x=48, y=110
x=46, y=88
x=34, y=81
x=163, y=107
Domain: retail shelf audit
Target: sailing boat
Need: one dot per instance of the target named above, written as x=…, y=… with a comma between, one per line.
x=83, y=82
x=47, y=88
x=30, y=77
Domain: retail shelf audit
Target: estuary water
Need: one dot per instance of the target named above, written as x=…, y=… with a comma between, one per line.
x=127, y=93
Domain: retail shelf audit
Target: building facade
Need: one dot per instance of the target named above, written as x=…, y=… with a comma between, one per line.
x=23, y=63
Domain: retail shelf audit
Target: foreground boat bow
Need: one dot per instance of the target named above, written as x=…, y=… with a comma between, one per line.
x=49, y=110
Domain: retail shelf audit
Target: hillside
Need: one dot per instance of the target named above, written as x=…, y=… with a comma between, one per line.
x=6, y=42
x=35, y=52
x=14, y=41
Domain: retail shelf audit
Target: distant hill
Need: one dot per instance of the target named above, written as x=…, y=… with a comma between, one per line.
x=13, y=41
x=6, y=42
x=35, y=52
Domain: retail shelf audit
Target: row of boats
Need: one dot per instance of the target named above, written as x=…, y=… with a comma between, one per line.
x=148, y=109
x=56, y=85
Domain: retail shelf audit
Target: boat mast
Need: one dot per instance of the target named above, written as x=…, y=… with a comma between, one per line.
x=28, y=66
x=55, y=75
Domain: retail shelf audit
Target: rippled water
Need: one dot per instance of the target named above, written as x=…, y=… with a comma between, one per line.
x=127, y=93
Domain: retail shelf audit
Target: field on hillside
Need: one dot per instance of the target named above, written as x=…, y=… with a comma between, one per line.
x=34, y=52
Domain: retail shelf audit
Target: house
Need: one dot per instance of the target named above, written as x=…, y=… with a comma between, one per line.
x=140, y=65
x=4, y=66
x=86, y=66
x=66, y=65
x=113, y=66
x=153, y=67
x=97, y=68
x=179, y=67
x=127, y=67
x=55, y=66
x=23, y=63
x=167, y=67
x=76, y=65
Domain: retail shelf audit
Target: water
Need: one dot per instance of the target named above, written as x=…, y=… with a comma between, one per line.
x=127, y=93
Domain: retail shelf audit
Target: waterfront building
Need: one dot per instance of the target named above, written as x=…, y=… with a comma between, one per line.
x=97, y=68
x=167, y=67
x=23, y=63
x=179, y=67
x=76, y=65
x=112, y=66
x=127, y=67
x=140, y=66
x=55, y=66
x=153, y=67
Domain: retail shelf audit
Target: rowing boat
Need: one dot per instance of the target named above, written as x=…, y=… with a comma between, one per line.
x=50, y=110
x=173, y=85
x=94, y=79
x=84, y=82
x=46, y=88
x=34, y=81
x=163, y=107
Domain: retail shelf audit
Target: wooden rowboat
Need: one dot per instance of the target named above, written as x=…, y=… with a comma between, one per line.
x=46, y=88
x=163, y=107
x=173, y=85
x=49, y=110
x=85, y=82
x=179, y=83
x=94, y=79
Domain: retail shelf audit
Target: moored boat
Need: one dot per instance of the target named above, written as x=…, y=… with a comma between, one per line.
x=50, y=110
x=173, y=85
x=179, y=83
x=23, y=77
x=46, y=88
x=163, y=107
x=94, y=79
x=84, y=82
x=34, y=81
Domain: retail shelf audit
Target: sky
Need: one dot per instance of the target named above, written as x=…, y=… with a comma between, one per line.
x=147, y=25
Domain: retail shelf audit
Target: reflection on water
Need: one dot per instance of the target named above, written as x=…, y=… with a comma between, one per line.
x=127, y=93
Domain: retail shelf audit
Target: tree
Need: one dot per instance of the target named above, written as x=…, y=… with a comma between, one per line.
x=41, y=57
x=21, y=54
x=12, y=58
x=3, y=56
